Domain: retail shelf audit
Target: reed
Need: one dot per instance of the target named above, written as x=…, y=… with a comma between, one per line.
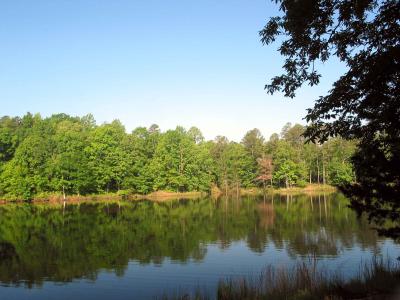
x=377, y=279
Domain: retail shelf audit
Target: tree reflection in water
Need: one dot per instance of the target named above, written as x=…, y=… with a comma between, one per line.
x=65, y=242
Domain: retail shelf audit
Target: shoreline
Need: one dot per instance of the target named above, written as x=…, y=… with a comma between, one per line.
x=308, y=189
x=160, y=196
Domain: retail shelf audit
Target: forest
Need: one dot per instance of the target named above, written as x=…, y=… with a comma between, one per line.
x=74, y=156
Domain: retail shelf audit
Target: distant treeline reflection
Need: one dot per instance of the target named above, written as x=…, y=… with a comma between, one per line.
x=40, y=242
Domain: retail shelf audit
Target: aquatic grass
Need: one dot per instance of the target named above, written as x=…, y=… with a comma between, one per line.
x=378, y=276
x=301, y=280
x=197, y=294
x=307, y=281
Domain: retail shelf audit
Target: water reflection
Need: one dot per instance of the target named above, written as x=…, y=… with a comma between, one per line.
x=62, y=243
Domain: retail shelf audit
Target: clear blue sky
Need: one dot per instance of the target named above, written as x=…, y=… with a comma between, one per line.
x=167, y=62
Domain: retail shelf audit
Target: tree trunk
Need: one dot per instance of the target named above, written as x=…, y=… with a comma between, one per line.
x=63, y=189
x=180, y=161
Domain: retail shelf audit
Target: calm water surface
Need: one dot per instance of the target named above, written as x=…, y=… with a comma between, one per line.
x=140, y=250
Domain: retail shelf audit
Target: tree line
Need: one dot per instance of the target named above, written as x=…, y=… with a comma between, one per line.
x=73, y=155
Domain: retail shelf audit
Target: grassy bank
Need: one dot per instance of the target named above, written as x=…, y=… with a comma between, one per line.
x=168, y=195
x=377, y=279
x=122, y=195
x=308, y=189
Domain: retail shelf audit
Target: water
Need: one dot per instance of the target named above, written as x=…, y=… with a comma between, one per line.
x=140, y=250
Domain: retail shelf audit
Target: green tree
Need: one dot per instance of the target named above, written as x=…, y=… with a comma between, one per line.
x=178, y=164
x=240, y=167
x=12, y=132
x=196, y=135
x=293, y=134
x=67, y=167
x=25, y=175
x=253, y=141
x=364, y=102
x=340, y=171
x=288, y=168
x=8, y=142
x=108, y=159
x=218, y=153
x=142, y=146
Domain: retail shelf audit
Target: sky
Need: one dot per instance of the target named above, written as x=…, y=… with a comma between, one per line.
x=189, y=63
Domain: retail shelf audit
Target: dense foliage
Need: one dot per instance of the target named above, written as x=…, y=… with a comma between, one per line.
x=364, y=103
x=72, y=155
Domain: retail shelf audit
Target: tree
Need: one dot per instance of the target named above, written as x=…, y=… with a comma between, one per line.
x=288, y=168
x=253, y=141
x=108, y=158
x=218, y=153
x=364, y=102
x=240, y=170
x=179, y=164
x=338, y=152
x=266, y=169
x=196, y=134
x=142, y=145
x=12, y=132
x=25, y=174
x=293, y=134
x=311, y=153
x=7, y=131
x=67, y=167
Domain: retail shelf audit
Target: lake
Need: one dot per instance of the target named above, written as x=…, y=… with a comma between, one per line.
x=144, y=249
